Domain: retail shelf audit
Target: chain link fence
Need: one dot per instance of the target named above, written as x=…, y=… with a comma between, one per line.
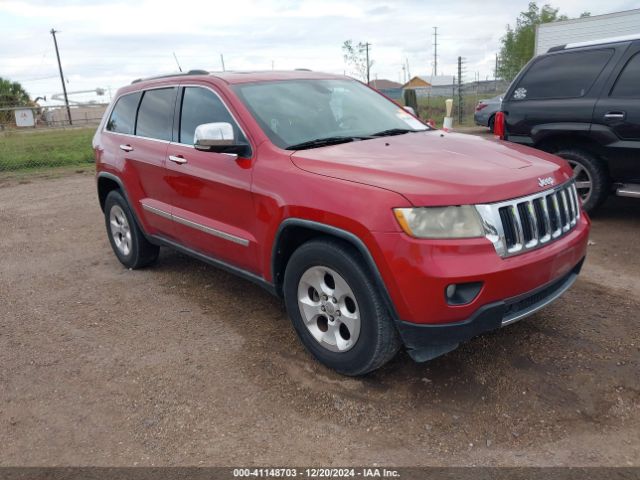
x=43, y=137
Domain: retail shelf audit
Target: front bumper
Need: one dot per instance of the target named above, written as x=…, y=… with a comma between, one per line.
x=425, y=341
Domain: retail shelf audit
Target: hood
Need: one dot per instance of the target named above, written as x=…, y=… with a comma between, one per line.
x=436, y=168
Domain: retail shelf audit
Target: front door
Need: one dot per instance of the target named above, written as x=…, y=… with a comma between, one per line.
x=212, y=203
x=619, y=111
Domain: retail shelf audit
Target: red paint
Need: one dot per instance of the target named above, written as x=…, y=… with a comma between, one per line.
x=352, y=186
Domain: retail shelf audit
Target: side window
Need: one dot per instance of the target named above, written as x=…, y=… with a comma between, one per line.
x=123, y=116
x=155, y=116
x=628, y=83
x=199, y=106
x=565, y=75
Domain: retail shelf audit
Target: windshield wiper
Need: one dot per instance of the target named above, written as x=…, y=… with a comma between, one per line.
x=395, y=131
x=322, y=142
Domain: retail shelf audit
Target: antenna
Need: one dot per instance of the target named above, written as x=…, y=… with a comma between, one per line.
x=222, y=62
x=177, y=62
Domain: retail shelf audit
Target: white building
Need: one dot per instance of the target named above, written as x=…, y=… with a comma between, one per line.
x=586, y=29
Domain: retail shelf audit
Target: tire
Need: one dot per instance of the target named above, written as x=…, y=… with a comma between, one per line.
x=588, y=169
x=127, y=240
x=368, y=342
x=491, y=123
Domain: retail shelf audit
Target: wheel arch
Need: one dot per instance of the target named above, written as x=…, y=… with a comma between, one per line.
x=293, y=232
x=106, y=183
x=580, y=141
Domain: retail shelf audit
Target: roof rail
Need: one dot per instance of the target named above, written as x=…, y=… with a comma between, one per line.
x=167, y=75
x=602, y=41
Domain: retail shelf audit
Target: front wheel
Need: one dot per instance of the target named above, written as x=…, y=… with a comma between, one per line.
x=336, y=310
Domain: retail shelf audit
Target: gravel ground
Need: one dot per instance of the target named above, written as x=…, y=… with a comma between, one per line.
x=183, y=364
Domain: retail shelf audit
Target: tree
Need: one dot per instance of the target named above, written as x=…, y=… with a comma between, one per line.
x=356, y=57
x=12, y=94
x=518, y=44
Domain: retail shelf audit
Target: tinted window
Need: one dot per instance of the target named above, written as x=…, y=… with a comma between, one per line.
x=567, y=75
x=628, y=83
x=123, y=116
x=155, y=116
x=199, y=106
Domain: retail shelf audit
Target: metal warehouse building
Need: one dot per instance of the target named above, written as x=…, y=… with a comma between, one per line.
x=588, y=28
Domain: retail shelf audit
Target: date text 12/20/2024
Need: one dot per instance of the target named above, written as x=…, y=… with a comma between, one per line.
x=315, y=473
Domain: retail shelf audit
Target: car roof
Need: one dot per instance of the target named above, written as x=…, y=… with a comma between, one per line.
x=236, y=77
x=590, y=43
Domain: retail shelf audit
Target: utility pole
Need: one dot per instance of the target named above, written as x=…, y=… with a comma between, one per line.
x=459, y=90
x=495, y=75
x=435, y=51
x=222, y=62
x=367, y=45
x=64, y=87
x=408, y=70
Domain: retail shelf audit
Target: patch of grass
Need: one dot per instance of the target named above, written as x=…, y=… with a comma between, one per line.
x=434, y=108
x=36, y=149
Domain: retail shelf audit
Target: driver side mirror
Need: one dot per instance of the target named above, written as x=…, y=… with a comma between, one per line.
x=218, y=137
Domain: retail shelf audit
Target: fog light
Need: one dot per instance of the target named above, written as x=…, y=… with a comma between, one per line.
x=462, y=293
x=451, y=290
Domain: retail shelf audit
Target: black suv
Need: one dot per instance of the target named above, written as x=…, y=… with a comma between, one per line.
x=581, y=101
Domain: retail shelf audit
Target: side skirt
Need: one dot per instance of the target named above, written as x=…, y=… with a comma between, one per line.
x=252, y=277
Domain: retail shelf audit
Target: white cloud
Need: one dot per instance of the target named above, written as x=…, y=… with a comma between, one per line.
x=107, y=44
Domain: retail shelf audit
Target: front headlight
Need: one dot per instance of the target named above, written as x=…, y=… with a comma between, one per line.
x=440, y=222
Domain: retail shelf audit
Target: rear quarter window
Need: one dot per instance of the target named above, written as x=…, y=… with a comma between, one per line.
x=123, y=116
x=564, y=75
x=628, y=83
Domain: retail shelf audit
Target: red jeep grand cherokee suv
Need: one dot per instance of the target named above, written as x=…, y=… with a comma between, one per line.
x=377, y=230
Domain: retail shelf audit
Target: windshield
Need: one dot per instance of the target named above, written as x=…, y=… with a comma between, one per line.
x=312, y=113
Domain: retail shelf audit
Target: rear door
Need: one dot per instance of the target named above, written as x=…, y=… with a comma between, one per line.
x=618, y=110
x=136, y=134
x=556, y=88
x=212, y=204
x=153, y=131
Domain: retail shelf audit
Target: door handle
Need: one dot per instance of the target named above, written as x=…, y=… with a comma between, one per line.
x=126, y=148
x=614, y=115
x=177, y=159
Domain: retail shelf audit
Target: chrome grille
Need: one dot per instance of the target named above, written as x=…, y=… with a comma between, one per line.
x=523, y=224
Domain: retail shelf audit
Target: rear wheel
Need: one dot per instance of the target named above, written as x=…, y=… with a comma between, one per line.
x=127, y=240
x=492, y=121
x=590, y=175
x=336, y=310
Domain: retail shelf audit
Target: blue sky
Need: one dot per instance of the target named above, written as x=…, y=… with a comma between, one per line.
x=108, y=44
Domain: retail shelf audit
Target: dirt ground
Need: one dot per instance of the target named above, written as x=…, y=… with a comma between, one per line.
x=183, y=364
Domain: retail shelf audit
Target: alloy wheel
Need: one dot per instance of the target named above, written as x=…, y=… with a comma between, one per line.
x=329, y=308
x=120, y=230
x=582, y=177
